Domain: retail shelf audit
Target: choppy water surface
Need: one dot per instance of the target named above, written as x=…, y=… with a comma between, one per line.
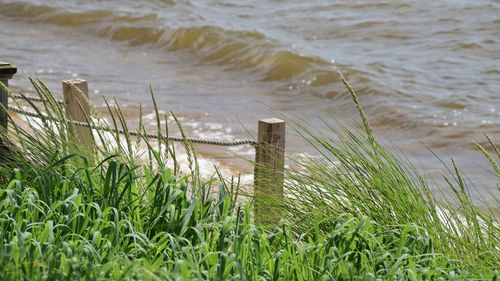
x=426, y=71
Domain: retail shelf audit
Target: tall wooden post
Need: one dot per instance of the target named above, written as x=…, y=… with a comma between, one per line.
x=269, y=171
x=6, y=72
x=76, y=101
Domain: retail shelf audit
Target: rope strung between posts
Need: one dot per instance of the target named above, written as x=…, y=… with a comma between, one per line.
x=32, y=98
x=134, y=133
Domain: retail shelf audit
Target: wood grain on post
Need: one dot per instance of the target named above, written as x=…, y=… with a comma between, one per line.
x=6, y=72
x=76, y=101
x=269, y=171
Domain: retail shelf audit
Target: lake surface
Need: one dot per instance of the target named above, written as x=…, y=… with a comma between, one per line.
x=427, y=72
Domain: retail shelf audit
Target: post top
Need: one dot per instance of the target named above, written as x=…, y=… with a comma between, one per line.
x=7, y=69
x=271, y=120
x=74, y=81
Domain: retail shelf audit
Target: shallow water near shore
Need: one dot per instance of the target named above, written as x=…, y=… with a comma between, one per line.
x=426, y=72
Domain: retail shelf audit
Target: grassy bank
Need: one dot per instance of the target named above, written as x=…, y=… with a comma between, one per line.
x=122, y=212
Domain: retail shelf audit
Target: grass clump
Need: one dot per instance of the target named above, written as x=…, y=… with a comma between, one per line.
x=121, y=212
x=354, y=174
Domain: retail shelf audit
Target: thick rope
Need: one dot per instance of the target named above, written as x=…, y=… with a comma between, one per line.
x=32, y=98
x=134, y=133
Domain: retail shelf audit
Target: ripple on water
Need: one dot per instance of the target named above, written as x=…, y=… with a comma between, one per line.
x=439, y=55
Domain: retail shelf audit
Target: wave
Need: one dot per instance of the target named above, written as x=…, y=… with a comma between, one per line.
x=249, y=51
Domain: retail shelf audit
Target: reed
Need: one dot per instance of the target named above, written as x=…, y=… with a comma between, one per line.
x=131, y=214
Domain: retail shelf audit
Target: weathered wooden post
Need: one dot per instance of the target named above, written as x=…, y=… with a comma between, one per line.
x=269, y=171
x=7, y=70
x=76, y=101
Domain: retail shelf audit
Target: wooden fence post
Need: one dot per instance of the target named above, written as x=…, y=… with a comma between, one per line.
x=269, y=171
x=6, y=72
x=78, y=109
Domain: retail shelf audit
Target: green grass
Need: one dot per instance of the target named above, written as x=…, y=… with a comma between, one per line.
x=355, y=174
x=122, y=213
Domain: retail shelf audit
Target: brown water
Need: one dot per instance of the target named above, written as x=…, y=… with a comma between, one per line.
x=427, y=72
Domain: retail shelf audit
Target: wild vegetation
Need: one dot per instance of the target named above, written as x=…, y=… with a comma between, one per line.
x=122, y=212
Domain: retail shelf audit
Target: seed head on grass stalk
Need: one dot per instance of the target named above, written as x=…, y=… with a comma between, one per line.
x=191, y=156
